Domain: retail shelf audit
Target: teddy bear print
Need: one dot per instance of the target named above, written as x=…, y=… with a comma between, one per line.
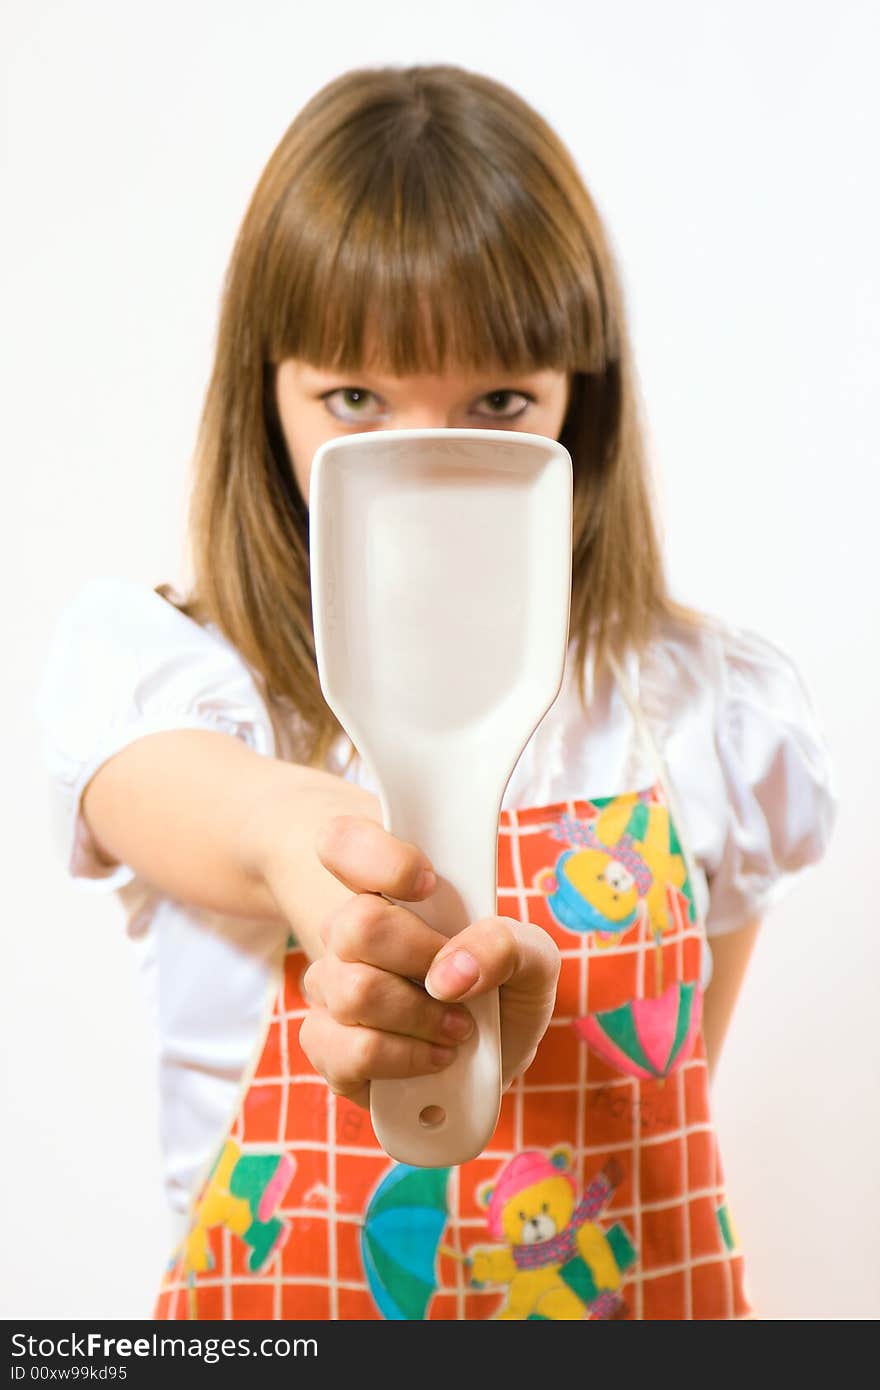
x=242, y=1193
x=625, y=855
x=555, y=1259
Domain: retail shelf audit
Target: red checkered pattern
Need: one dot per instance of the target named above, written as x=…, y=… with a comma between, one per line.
x=658, y=1132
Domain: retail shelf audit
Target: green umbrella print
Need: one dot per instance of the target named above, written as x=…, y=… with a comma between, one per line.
x=400, y=1238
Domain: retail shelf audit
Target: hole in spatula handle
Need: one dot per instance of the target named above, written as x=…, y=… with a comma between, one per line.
x=432, y=1116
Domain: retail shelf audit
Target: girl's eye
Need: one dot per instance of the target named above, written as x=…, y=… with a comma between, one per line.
x=354, y=404
x=497, y=398
x=355, y=397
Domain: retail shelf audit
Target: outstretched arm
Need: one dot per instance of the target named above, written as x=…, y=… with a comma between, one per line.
x=211, y=822
x=195, y=812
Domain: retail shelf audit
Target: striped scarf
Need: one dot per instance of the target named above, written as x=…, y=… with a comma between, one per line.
x=581, y=833
x=563, y=1246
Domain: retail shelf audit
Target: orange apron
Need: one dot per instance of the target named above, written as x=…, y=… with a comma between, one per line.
x=601, y=1194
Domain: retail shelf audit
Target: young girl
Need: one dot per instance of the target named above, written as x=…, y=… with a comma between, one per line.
x=421, y=251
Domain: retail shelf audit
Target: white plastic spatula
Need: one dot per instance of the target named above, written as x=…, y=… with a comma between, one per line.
x=441, y=584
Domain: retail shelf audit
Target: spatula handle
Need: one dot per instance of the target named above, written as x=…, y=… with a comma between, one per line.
x=447, y=1117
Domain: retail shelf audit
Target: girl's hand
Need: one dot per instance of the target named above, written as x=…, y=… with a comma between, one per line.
x=368, y=1017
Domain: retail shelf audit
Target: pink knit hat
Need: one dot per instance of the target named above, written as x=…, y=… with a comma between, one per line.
x=521, y=1172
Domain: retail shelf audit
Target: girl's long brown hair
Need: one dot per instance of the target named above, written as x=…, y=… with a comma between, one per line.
x=415, y=219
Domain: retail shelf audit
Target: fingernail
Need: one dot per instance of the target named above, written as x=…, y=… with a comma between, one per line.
x=451, y=976
x=457, y=1024
x=426, y=881
x=442, y=1056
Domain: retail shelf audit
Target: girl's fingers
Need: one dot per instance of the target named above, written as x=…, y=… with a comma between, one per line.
x=372, y=1017
x=519, y=958
x=495, y=952
x=360, y=996
x=369, y=859
x=369, y=929
x=348, y=1058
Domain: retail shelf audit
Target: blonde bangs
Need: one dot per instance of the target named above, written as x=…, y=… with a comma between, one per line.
x=425, y=257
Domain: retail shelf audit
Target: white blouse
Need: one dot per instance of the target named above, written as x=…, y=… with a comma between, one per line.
x=743, y=745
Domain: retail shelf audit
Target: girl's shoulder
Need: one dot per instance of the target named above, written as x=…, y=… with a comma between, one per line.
x=733, y=662
x=117, y=636
x=122, y=625
x=112, y=608
x=746, y=741
x=121, y=662
x=122, y=653
x=740, y=694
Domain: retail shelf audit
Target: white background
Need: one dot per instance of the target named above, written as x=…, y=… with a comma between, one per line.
x=731, y=149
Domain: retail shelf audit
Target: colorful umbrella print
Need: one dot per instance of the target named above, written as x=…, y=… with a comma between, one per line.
x=399, y=1239
x=647, y=1038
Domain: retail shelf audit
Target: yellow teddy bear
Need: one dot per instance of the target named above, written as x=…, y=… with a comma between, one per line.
x=556, y=1261
x=627, y=854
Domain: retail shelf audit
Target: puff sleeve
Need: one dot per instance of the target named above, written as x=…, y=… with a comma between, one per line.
x=123, y=662
x=778, y=777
